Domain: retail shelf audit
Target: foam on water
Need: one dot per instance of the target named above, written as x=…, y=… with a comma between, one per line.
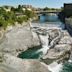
x=70, y=61
x=55, y=67
x=44, y=42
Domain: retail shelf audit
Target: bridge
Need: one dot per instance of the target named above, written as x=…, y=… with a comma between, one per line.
x=48, y=11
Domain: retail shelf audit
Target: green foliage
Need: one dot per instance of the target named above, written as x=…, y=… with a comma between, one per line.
x=6, y=18
x=2, y=11
x=25, y=18
x=46, y=8
x=3, y=23
x=12, y=9
x=29, y=13
x=50, y=9
x=18, y=9
x=6, y=7
x=9, y=18
x=20, y=20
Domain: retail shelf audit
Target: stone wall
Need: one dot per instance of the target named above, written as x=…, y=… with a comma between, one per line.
x=68, y=24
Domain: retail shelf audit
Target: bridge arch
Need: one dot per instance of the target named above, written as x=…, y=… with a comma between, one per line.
x=47, y=16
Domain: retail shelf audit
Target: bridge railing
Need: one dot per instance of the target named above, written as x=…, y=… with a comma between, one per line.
x=48, y=11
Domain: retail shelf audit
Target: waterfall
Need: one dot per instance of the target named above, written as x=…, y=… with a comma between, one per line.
x=44, y=42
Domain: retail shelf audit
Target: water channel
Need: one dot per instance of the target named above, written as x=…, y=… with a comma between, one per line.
x=49, y=18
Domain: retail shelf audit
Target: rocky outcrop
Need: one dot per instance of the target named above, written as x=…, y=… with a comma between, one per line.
x=6, y=68
x=59, y=52
x=18, y=39
x=53, y=33
x=62, y=50
x=24, y=65
x=59, y=43
x=66, y=40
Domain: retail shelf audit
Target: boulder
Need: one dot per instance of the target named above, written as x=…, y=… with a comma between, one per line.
x=53, y=33
x=59, y=52
x=66, y=40
x=65, y=33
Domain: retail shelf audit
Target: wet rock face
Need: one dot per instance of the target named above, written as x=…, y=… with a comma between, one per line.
x=62, y=50
x=25, y=65
x=53, y=33
x=66, y=40
x=59, y=53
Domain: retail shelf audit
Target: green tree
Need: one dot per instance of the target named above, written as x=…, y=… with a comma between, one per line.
x=7, y=18
x=19, y=9
x=13, y=9
x=3, y=23
x=20, y=20
x=46, y=8
x=6, y=7
x=29, y=13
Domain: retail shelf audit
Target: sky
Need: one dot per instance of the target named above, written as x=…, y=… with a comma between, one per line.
x=36, y=3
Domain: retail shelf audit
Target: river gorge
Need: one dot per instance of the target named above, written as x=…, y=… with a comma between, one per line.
x=39, y=46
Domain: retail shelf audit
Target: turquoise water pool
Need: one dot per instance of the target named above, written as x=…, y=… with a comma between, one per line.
x=67, y=67
x=31, y=53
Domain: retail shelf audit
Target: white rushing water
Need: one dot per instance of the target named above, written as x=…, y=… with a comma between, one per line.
x=55, y=67
x=70, y=61
x=43, y=38
x=44, y=42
